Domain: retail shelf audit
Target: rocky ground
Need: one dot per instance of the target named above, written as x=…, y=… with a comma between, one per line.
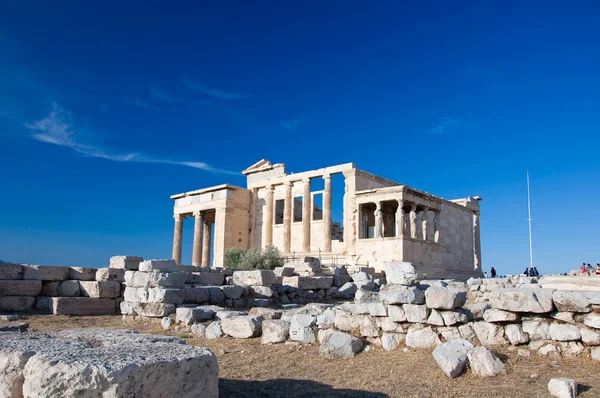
x=249, y=369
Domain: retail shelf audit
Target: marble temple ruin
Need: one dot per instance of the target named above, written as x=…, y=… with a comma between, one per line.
x=382, y=221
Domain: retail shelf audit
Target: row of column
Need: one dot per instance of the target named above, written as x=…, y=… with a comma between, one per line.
x=202, y=239
x=288, y=209
x=421, y=225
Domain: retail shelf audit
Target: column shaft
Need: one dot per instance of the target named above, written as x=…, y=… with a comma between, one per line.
x=306, y=205
x=206, y=243
x=177, y=237
x=198, y=232
x=400, y=220
x=287, y=218
x=327, y=213
x=477, y=240
x=268, y=220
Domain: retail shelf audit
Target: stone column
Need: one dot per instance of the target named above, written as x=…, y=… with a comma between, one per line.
x=378, y=221
x=327, y=213
x=477, y=240
x=436, y=226
x=425, y=224
x=206, y=243
x=287, y=217
x=413, y=221
x=306, y=205
x=177, y=237
x=400, y=220
x=197, y=249
x=268, y=220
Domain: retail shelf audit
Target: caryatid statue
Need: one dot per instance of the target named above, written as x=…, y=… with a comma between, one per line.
x=413, y=221
x=378, y=221
x=429, y=223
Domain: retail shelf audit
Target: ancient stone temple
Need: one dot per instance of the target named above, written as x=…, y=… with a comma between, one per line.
x=381, y=221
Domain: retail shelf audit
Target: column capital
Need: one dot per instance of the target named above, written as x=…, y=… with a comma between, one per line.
x=413, y=206
x=306, y=180
x=179, y=217
x=197, y=213
x=269, y=187
x=327, y=176
x=287, y=184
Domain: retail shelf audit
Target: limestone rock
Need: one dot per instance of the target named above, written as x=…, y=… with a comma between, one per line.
x=126, y=262
x=515, y=334
x=401, y=273
x=11, y=271
x=326, y=320
x=308, y=282
x=523, y=300
x=477, y=310
x=153, y=310
x=82, y=273
x=454, y=317
x=167, y=322
x=348, y=289
x=340, y=345
x=346, y=321
x=102, y=289
x=47, y=273
x=550, y=350
x=446, y=298
x=260, y=291
x=449, y=333
x=396, y=313
x=571, y=348
x=69, y=288
x=592, y=320
x=208, y=278
x=254, y=278
x=195, y=295
x=567, y=317
x=20, y=287
x=496, y=315
x=564, y=332
x=536, y=329
x=13, y=327
x=189, y=316
x=595, y=353
x=400, y=294
x=562, y=388
x=242, y=327
x=451, y=357
x=233, y=292
x=467, y=332
x=416, y=313
x=16, y=303
x=160, y=266
x=589, y=336
x=49, y=289
x=389, y=341
x=484, y=362
x=435, y=318
x=154, y=295
x=489, y=333
x=571, y=301
x=155, y=279
x=266, y=313
x=82, y=306
x=275, y=331
x=110, y=274
x=301, y=328
x=214, y=330
x=368, y=327
x=422, y=337
x=9, y=317
x=387, y=325
x=220, y=315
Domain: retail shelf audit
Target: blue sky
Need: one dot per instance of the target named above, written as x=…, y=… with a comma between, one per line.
x=106, y=109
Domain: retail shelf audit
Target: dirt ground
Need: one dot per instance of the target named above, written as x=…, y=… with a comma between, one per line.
x=248, y=369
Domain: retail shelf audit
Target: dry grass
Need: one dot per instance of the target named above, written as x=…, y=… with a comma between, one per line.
x=248, y=369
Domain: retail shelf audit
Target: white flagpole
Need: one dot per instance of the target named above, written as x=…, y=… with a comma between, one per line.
x=529, y=219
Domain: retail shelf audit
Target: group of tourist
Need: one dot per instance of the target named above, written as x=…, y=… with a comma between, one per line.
x=531, y=271
x=589, y=270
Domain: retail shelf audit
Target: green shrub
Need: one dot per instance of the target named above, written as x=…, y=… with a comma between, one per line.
x=272, y=258
x=234, y=256
x=253, y=259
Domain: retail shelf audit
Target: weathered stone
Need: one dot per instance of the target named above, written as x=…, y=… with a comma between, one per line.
x=153, y=310
x=82, y=273
x=340, y=345
x=567, y=317
x=189, y=316
x=346, y=321
x=496, y=315
x=445, y=298
x=301, y=328
x=160, y=266
x=12, y=327
x=589, y=336
x=454, y=317
x=254, y=278
x=20, y=288
x=155, y=279
x=389, y=341
x=196, y=295
x=48, y=273
x=82, y=306
x=515, y=335
x=215, y=294
x=260, y=291
x=416, y=313
x=571, y=301
x=489, y=333
x=592, y=320
x=214, y=330
x=198, y=330
x=208, y=278
x=387, y=325
x=110, y=274
x=571, y=348
x=536, y=329
x=154, y=295
x=275, y=331
x=242, y=327
x=348, y=289
x=396, y=313
x=467, y=332
x=220, y=315
x=284, y=271
x=326, y=320
x=11, y=271
x=435, y=318
x=451, y=357
x=400, y=273
x=484, y=362
x=368, y=327
x=127, y=364
x=550, y=350
x=102, y=289
x=49, y=289
x=16, y=303
x=523, y=300
x=564, y=332
x=418, y=337
x=562, y=388
x=43, y=304
x=126, y=262
x=340, y=276
x=233, y=292
x=167, y=322
x=308, y=282
x=595, y=352
x=69, y=288
x=449, y=333
x=9, y=317
x=400, y=294
x=477, y=310
x=266, y=313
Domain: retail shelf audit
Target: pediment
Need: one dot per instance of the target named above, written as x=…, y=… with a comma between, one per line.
x=261, y=165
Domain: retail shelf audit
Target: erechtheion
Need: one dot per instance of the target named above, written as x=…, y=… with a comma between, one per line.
x=382, y=221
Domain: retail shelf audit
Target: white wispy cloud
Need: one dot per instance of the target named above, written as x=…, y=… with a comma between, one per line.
x=291, y=124
x=160, y=95
x=57, y=128
x=137, y=101
x=448, y=123
x=194, y=85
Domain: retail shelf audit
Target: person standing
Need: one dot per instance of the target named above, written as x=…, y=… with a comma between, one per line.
x=583, y=270
x=597, y=269
x=589, y=270
x=493, y=272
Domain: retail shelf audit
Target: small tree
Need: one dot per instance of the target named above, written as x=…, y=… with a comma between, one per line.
x=272, y=258
x=234, y=256
x=253, y=259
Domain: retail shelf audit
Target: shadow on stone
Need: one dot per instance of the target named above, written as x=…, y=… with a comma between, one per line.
x=288, y=388
x=582, y=388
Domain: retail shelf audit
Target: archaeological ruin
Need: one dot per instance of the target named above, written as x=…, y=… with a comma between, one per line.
x=381, y=221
